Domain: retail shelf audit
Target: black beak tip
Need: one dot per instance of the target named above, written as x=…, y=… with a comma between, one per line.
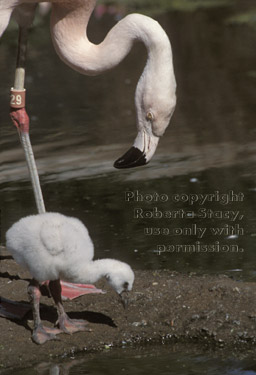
x=132, y=158
x=124, y=304
x=124, y=299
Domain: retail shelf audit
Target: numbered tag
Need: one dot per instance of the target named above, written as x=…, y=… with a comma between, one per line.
x=18, y=98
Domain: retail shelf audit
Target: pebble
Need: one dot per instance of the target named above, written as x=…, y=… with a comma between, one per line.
x=195, y=317
x=193, y=179
x=252, y=316
x=236, y=322
x=143, y=323
x=236, y=289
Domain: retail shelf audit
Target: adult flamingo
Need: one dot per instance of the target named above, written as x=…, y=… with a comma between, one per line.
x=155, y=97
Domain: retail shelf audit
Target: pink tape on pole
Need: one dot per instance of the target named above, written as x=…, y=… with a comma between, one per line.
x=18, y=98
x=20, y=119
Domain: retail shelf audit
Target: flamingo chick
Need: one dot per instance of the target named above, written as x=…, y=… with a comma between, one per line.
x=53, y=247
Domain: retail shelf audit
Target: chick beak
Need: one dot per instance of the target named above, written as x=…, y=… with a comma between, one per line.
x=124, y=299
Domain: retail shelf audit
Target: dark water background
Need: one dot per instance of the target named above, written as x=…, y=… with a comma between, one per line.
x=142, y=361
x=80, y=125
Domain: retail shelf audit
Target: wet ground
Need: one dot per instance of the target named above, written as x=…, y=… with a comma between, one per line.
x=81, y=125
x=213, y=312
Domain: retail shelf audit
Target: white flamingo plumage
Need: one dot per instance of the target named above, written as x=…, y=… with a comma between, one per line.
x=53, y=246
x=155, y=97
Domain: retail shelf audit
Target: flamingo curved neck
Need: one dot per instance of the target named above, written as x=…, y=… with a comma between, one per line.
x=89, y=272
x=69, y=25
x=155, y=96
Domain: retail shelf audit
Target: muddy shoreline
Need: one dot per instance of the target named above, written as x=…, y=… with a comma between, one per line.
x=165, y=307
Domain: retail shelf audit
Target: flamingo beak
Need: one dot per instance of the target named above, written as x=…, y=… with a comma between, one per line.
x=140, y=153
x=124, y=299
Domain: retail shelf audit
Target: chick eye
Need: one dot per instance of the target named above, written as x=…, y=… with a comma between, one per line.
x=149, y=116
x=125, y=285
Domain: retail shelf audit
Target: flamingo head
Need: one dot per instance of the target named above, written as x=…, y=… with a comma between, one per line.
x=155, y=103
x=121, y=279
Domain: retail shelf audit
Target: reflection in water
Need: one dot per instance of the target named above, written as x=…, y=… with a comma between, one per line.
x=56, y=165
x=64, y=368
x=154, y=360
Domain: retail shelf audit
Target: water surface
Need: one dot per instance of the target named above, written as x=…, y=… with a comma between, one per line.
x=153, y=360
x=80, y=125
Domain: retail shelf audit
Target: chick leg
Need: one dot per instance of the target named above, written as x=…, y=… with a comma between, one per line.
x=66, y=324
x=41, y=333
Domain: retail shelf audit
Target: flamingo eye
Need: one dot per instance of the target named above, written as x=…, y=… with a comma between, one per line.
x=149, y=116
x=125, y=285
